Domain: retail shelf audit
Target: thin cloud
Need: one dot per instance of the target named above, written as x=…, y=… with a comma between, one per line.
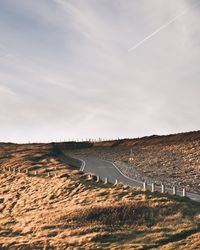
x=71, y=76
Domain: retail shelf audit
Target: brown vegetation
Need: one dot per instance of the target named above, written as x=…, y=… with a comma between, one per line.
x=172, y=159
x=70, y=210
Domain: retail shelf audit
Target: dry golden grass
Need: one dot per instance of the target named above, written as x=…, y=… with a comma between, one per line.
x=172, y=159
x=72, y=211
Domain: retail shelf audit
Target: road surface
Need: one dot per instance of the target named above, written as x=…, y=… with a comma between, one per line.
x=107, y=169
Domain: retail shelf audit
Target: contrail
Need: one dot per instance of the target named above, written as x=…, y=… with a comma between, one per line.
x=159, y=29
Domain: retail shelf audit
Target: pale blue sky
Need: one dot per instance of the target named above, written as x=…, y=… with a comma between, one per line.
x=66, y=69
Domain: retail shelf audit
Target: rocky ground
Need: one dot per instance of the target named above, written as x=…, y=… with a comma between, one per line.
x=172, y=160
x=48, y=204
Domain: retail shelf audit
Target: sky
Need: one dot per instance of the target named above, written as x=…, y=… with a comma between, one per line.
x=98, y=68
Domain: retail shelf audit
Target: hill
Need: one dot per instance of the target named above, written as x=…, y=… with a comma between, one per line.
x=46, y=203
x=172, y=159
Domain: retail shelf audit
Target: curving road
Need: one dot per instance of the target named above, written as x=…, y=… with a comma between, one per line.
x=107, y=169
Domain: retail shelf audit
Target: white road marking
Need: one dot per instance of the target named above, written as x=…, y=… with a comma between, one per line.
x=123, y=173
x=82, y=165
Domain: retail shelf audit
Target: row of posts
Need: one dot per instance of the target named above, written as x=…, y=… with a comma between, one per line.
x=36, y=172
x=105, y=180
x=85, y=140
x=153, y=187
x=174, y=189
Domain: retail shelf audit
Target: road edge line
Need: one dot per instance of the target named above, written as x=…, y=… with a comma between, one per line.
x=82, y=165
x=141, y=182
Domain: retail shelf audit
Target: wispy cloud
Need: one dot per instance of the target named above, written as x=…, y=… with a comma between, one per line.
x=68, y=72
x=164, y=26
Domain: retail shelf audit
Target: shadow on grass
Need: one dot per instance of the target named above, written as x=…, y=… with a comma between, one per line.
x=174, y=238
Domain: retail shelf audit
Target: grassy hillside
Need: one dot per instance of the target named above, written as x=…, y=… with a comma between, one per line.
x=67, y=209
x=172, y=159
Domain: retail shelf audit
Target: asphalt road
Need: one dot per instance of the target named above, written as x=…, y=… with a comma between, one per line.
x=107, y=169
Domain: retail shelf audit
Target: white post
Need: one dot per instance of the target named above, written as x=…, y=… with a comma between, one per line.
x=116, y=182
x=162, y=188
x=174, y=190
x=144, y=186
x=106, y=180
x=153, y=187
x=48, y=174
x=98, y=179
x=36, y=172
x=184, y=192
x=131, y=155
